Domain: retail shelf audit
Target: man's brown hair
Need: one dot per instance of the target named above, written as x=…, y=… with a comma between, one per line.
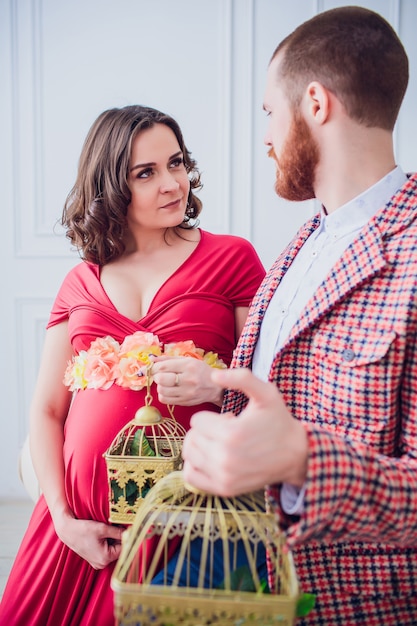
x=355, y=54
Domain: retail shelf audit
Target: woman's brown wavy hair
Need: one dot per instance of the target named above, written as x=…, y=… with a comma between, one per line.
x=95, y=210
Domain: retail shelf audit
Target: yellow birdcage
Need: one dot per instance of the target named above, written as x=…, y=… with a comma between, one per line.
x=143, y=452
x=217, y=572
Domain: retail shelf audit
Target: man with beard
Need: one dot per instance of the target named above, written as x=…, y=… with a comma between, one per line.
x=324, y=378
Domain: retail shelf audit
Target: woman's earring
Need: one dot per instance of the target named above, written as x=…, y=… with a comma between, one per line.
x=189, y=211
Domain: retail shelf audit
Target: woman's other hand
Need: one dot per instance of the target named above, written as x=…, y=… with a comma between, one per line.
x=185, y=381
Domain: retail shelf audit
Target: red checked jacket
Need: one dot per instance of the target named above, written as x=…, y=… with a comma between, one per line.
x=348, y=371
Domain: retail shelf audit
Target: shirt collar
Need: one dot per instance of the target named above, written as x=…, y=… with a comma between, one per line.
x=358, y=211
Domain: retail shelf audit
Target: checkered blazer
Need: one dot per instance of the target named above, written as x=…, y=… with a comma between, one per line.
x=348, y=371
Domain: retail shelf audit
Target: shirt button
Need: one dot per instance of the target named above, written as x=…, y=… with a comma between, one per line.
x=348, y=354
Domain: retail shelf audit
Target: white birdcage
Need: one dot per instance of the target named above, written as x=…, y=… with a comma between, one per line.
x=218, y=572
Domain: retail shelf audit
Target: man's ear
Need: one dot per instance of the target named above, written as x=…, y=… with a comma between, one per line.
x=317, y=103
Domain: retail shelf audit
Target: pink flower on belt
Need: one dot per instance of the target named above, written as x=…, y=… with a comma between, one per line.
x=107, y=362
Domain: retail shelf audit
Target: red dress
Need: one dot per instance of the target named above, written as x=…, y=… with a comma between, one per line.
x=49, y=584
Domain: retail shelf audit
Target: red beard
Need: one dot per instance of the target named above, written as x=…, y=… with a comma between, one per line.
x=296, y=165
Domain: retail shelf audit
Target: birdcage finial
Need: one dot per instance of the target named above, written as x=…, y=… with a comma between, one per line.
x=147, y=415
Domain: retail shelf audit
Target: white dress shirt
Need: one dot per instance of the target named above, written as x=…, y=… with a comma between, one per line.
x=310, y=267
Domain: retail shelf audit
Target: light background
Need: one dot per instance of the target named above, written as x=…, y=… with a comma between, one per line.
x=202, y=61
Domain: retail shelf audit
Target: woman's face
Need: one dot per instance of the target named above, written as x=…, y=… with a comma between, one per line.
x=157, y=180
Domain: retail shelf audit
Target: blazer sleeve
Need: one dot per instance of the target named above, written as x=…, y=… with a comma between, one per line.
x=353, y=493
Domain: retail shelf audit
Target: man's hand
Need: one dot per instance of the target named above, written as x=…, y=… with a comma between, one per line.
x=229, y=455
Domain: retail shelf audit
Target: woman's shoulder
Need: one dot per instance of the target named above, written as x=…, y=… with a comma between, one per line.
x=83, y=276
x=222, y=240
x=83, y=269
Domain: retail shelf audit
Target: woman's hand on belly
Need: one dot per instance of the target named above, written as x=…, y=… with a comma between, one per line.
x=98, y=543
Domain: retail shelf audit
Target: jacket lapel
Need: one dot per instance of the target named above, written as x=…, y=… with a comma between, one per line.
x=247, y=342
x=364, y=258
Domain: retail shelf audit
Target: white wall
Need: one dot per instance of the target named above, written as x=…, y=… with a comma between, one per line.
x=202, y=61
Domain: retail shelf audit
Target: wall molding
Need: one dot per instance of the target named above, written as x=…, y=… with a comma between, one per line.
x=242, y=118
x=34, y=234
x=31, y=315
